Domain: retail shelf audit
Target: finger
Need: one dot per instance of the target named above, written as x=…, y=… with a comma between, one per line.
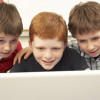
x=15, y=59
x=19, y=59
x=19, y=56
x=26, y=51
x=27, y=55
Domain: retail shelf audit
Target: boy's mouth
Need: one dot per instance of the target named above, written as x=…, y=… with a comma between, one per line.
x=5, y=53
x=48, y=62
x=93, y=52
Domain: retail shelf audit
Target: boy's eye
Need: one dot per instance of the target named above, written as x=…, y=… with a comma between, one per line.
x=41, y=48
x=15, y=40
x=56, y=48
x=96, y=38
x=81, y=41
x=1, y=40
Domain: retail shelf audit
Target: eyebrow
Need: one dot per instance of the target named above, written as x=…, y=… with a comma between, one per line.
x=80, y=39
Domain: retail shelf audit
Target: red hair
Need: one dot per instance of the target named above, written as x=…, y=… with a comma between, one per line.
x=48, y=25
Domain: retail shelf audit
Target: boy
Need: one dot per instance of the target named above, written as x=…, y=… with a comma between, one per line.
x=48, y=39
x=84, y=25
x=10, y=29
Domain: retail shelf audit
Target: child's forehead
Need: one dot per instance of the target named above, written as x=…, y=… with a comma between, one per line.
x=47, y=40
x=4, y=35
x=89, y=34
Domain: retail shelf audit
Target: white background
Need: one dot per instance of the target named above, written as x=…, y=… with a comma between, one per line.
x=29, y=8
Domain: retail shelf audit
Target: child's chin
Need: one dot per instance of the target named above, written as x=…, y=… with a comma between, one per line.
x=94, y=56
x=5, y=56
x=48, y=68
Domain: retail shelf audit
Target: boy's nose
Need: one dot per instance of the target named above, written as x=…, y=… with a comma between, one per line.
x=7, y=47
x=90, y=46
x=48, y=54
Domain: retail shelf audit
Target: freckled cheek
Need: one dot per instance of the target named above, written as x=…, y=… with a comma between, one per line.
x=37, y=54
x=58, y=54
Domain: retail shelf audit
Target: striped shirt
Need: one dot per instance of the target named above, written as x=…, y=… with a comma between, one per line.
x=94, y=64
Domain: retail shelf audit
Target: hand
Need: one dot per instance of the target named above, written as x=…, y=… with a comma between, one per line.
x=87, y=69
x=26, y=52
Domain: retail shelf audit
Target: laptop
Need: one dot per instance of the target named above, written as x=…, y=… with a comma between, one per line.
x=61, y=85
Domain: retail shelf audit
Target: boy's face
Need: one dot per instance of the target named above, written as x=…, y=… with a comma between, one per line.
x=90, y=43
x=47, y=52
x=8, y=44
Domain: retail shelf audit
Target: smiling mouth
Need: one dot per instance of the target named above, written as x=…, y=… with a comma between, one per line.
x=92, y=52
x=48, y=62
x=6, y=53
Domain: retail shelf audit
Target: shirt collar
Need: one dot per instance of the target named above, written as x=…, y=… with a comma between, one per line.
x=85, y=55
x=0, y=58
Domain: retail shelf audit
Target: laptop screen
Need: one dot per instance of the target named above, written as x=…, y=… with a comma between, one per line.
x=61, y=85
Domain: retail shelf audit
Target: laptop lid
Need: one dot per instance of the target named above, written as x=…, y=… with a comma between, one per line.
x=61, y=85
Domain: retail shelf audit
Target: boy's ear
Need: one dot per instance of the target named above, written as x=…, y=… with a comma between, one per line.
x=30, y=44
x=66, y=43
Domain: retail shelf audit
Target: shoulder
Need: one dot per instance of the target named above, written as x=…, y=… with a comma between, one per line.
x=70, y=55
x=28, y=60
x=75, y=60
x=70, y=51
x=24, y=65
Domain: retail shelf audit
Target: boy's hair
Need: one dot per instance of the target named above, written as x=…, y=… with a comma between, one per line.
x=48, y=25
x=84, y=18
x=10, y=20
